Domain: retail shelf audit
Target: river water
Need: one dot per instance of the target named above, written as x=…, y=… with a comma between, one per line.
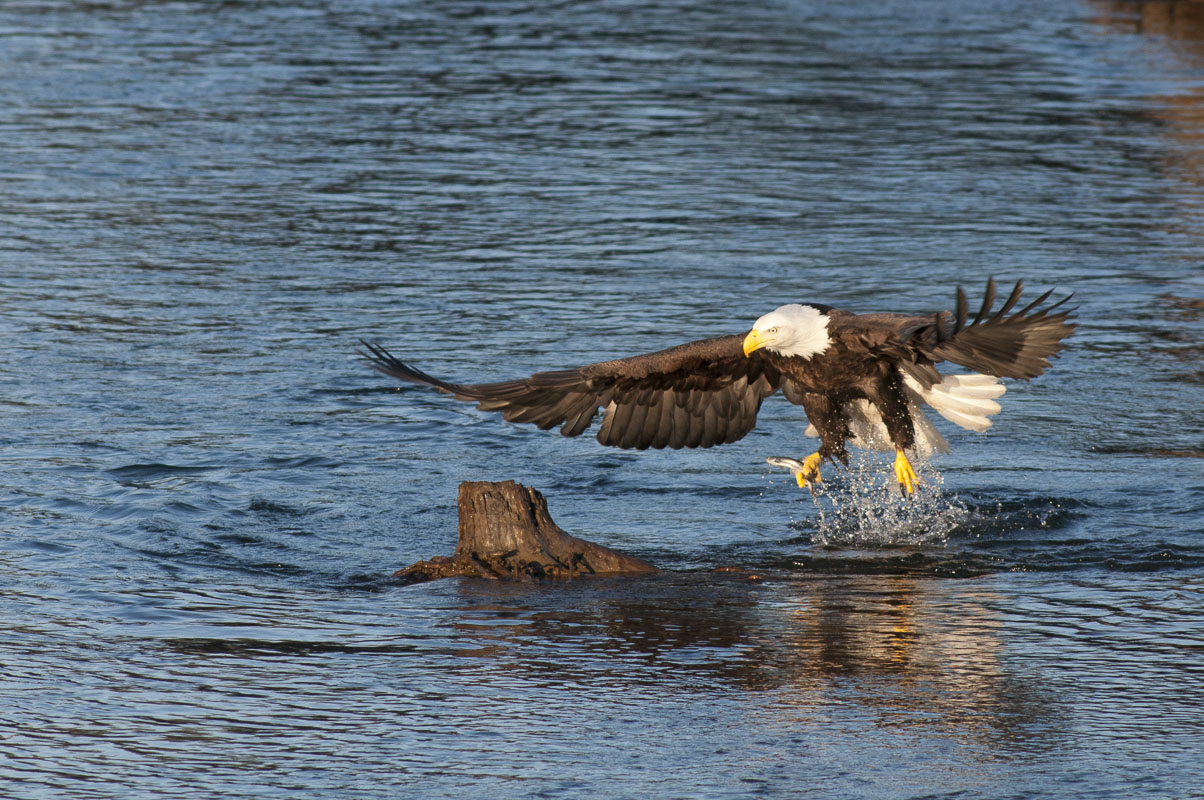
x=205, y=494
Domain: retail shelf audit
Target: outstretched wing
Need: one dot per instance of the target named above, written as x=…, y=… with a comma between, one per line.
x=698, y=394
x=1015, y=346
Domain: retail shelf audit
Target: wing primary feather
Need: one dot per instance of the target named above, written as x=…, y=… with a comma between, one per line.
x=619, y=421
x=710, y=426
x=560, y=412
x=663, y=410
x=1045, y=311
x=694, y=430
x=384, y=362
x=632, y=435
x=1013, y=298
x=963, y=306
x=723, y=400
x=988, y=300
x=1022, y=312
x=575, y=426
x=681, y=428
x=745, y=418
x=608, y=424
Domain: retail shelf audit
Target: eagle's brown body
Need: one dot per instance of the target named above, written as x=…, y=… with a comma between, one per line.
x=859, y=365
x=708, y=392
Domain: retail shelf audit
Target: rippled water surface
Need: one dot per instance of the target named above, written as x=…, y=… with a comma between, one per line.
x=205, y=495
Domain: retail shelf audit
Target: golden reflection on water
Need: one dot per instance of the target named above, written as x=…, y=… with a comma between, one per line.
x=907, y=652
x=1176, y=27
x=911, y=652
x=1182, y=20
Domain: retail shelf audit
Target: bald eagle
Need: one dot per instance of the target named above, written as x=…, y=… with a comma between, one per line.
x=859, y=378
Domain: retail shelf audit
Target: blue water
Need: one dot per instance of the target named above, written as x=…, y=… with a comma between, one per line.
x=206, y=493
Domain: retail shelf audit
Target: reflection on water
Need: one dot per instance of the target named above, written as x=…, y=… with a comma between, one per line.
x=1178, y=20
x=905, y=651
x=1176, y=100
x=917, y=654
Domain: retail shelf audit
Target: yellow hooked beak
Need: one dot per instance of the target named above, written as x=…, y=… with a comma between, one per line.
x=755, y=341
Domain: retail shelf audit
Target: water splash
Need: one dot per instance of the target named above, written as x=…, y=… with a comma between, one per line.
x=862, y=505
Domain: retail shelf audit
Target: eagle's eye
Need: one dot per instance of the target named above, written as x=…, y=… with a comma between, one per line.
x=774, y=329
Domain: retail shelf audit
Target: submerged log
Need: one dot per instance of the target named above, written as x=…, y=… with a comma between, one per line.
x=506, y=533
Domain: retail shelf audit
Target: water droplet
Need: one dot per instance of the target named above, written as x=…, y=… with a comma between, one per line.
x=862, y=505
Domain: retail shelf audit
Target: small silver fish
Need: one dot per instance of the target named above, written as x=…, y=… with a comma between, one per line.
x=793, y=464
x=799, y=470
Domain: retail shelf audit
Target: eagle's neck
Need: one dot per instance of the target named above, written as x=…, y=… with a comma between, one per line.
x=808, y=334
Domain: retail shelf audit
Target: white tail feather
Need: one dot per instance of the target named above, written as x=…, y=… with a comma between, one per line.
x=943, y=400
x=973, y=385
x=965, y=400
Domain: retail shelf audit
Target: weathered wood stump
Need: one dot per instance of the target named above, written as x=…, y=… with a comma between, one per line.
x=506, y=533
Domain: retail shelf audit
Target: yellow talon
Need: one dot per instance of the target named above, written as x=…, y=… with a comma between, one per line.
x=810, y=471
x=905, y=474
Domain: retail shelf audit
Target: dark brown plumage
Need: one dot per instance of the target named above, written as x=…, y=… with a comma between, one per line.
x=708, y=392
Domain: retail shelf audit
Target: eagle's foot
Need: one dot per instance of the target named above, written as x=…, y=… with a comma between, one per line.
x=806, y=472
x=809, y=474
x=905, y=475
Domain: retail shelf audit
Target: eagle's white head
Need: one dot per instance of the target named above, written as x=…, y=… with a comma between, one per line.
x=793, y=330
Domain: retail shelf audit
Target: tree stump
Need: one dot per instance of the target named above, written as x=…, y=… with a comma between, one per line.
x=506, y=533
